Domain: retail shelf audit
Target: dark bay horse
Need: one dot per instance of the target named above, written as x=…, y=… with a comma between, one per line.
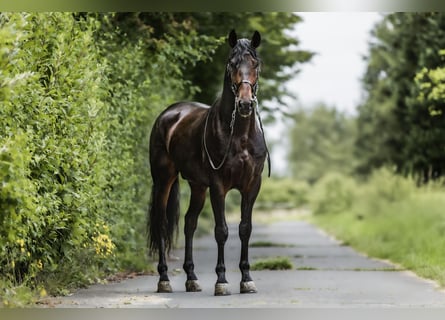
x=219, y=148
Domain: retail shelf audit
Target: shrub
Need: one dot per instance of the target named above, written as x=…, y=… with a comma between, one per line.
x=333, y=193
x=78, y=99
x=282, y=193
x=381, y=190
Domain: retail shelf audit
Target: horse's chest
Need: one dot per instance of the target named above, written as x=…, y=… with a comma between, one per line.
x=242, y=163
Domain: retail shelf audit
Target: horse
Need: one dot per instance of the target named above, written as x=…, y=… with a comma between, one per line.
x=219, y=148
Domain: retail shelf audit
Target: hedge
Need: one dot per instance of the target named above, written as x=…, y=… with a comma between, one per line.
x=77, y=103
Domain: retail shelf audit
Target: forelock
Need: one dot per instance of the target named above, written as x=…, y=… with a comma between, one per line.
x=241, y=48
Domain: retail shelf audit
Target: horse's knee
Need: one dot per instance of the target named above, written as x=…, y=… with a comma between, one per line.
x=190, y=223
x=221, y=234
x=245, y=229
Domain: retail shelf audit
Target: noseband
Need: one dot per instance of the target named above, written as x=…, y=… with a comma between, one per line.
x=254, y=87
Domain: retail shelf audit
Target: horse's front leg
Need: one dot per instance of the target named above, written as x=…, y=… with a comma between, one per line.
x=245, y=229
x=217, y=197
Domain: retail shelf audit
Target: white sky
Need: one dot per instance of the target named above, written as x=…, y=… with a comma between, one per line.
x=340, y=40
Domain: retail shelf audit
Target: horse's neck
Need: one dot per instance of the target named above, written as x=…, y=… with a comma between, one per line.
x=227, y=102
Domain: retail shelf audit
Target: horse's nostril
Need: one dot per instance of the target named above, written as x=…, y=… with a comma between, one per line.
x=245, y=107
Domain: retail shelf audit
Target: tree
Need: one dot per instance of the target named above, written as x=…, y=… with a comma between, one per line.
x=393, y=127
x=322, y=141
x=278, y=50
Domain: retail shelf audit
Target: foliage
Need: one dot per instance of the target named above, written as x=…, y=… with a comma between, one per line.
x=431, y=84
x=400, y=123
x=390, y=218
x=282, y=193
x=279, y=50
x=321, y=141
x=333, y=193
x=144, y=77
x=77, y=101
x=52, y=140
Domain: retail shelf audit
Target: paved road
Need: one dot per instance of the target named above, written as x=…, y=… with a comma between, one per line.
x=326, y=274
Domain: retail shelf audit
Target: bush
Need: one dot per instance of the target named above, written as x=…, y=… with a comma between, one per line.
x=333, y=193
x=52, y=141
x=390, y=187
x=78, y=100
x=381, y=190
x=282, y=193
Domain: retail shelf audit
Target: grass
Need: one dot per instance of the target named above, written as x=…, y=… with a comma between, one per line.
x=269, y=244
x=277, y=263
x=305, y=268
x=409, y=231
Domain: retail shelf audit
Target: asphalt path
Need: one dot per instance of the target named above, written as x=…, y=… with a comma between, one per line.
x=326, y=274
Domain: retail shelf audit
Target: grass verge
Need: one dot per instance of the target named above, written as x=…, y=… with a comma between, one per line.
x=409, y=231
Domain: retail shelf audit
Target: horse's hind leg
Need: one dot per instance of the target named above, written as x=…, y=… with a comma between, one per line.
x=163, y=179
x=161, y=194
x=197, y=200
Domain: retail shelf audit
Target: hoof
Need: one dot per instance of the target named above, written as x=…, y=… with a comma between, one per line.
x=222, y=289
x=192, y=286
x=248, y=287
x=164, y=287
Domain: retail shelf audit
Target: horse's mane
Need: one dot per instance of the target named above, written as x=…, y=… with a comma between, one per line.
x=242, y=47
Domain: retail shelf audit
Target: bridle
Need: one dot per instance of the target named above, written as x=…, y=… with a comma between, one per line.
x=253, y=86
x=235, y=89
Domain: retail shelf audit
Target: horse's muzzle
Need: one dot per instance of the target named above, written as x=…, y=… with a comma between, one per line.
x=245, y=108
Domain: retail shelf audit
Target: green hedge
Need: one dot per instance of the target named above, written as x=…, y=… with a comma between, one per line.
x=77, y=102
x=52, y=137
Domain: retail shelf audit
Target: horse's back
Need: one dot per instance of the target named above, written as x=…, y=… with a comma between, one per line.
x=184, y=113
x=177, y=133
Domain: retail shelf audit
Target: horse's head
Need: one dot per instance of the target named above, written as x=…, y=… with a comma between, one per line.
x=243, y=69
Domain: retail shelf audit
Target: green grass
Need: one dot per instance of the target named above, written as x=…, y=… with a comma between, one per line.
x=269, y=244
x=306, y=268
x=409, y=231
x=278, y=263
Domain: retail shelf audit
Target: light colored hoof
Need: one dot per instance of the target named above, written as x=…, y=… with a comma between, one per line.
x=192, y=286
x=222, y=289
x=248, y=287
x=164, y=287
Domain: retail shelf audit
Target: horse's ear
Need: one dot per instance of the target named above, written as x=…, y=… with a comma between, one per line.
x=256, y=40
x=233, y=38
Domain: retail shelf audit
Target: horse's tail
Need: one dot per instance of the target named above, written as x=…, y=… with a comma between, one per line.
x=163, y=226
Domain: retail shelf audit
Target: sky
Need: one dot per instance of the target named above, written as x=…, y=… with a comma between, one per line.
x=340, y=41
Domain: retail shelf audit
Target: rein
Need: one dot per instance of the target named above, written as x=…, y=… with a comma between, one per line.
x=232, y=126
